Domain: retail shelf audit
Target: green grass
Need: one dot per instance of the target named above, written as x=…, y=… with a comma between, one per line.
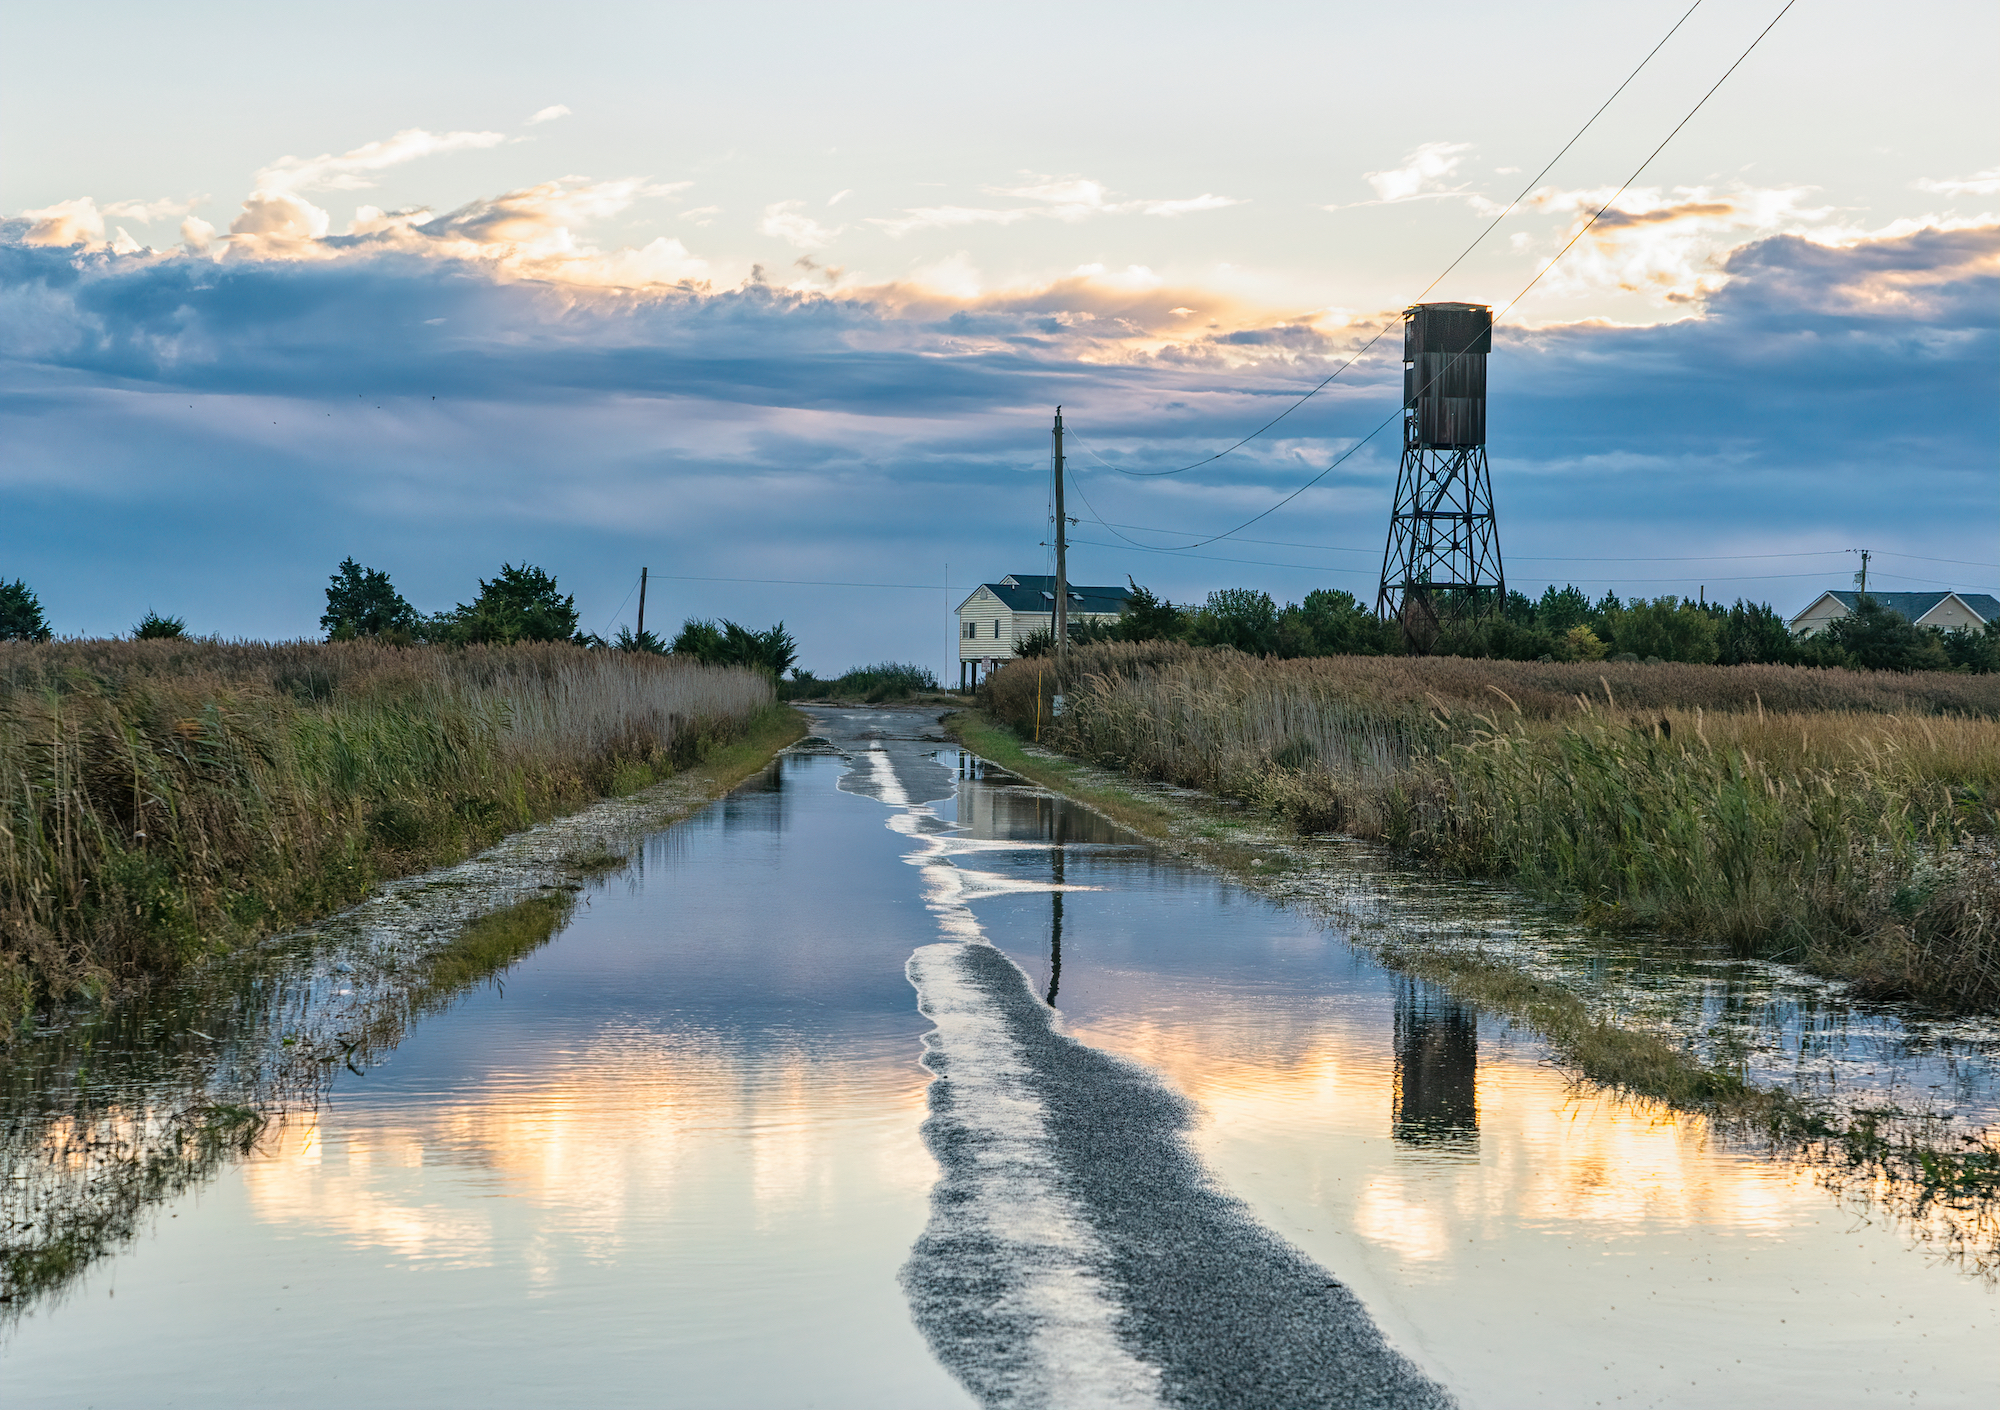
x=164, y=801
x=1855, y=832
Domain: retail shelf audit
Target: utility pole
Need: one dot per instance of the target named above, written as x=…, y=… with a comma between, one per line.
x=1861, y=578
x=1062, y=552
x=642, y=602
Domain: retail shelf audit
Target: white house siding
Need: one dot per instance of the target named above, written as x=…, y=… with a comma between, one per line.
x=983, y=611
x=1949, y=615
x=1827, y=609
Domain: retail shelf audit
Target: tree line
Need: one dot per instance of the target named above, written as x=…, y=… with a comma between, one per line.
x=1564, y=624
x=521, y=603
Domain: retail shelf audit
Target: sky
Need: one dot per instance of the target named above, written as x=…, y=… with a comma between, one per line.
x=775, y=302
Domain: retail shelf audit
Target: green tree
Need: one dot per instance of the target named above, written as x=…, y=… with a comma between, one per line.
x=1331, y=623
x=154, y=627
x=1880, y=639
x=1667, y=628
x=21, y=616
x=628, y=640
x=1752, y=632
x=520, y=604
x=1240, y=617
x=1150, y=618
x=1558, y=610
x=1974, y=649
x=1579, y=643
x=728, y=644
x=363, y=602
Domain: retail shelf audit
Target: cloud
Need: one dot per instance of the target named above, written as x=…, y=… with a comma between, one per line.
x=355, y=170
x=1066, y=199
x=785, y=222
x=757, y=432
x=1983, y=183
x=1667, y=245
x=549, y=114
x=1422, y=174
x=150, y=211
x=77, y=222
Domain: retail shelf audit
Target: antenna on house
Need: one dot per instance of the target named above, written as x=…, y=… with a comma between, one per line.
x=1442, y=561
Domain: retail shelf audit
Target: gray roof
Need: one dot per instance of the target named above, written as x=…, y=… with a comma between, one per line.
x=1913, y=605
x=1035, y=592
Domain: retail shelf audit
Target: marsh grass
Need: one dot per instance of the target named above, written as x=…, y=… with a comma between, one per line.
x=165, y=800
x=1941, y=1182
x=120, y=1106
x=1845, y=821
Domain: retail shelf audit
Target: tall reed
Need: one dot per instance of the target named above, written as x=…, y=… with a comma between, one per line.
x=164, y=799
x=1844, y=820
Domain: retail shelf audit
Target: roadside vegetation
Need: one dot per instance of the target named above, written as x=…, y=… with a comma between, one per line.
x=162, y=800
x=1563, y=625
x=868, y=685
x=1845, y=821
x=1920, y=1166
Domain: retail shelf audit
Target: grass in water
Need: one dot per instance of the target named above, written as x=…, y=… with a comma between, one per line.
x=1945, y=1182
x=165, y=801
x=1848, y=822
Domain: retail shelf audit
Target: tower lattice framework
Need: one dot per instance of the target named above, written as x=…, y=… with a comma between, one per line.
x=1441, y=565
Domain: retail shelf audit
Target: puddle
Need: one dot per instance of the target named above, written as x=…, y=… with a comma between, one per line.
x=685, y=1156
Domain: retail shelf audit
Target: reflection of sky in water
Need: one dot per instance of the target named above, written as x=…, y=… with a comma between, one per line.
x=677, y=1162
x=1530, y=1242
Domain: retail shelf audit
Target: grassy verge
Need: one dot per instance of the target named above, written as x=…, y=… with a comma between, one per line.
x=1848, y=822
x=998, y=744
x=165, y=801
x=78, y=1169
x=1946, y=1181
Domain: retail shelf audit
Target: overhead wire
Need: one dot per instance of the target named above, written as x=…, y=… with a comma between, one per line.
x=1477, y=240
x=1511, y=304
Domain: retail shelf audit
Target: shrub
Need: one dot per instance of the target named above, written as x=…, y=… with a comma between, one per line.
x=520, y=604
x=154, y=627
x=363, y=602
x=772, y=650
x=21, y=616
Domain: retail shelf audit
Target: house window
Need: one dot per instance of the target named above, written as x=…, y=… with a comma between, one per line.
x=972, y=629
x=996, y=629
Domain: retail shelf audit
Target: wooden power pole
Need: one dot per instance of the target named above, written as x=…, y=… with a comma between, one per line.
x=1062, y=552
x=642, y=602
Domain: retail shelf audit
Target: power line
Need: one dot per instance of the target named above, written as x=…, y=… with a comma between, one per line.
x=800, y=582
x=1962, y=562
x=1514, y=302
x=1476, y=241
x=1682, y=578
x=1529, y=558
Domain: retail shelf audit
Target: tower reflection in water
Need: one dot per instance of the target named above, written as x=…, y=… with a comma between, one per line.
x=1437, y=1072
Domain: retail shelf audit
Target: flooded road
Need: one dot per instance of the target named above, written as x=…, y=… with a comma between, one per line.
x=772, y=1123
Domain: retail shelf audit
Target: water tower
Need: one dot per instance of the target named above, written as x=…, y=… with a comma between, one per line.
x=1442, y=561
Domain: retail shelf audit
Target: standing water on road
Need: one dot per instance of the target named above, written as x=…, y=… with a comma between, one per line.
x=891, y=1081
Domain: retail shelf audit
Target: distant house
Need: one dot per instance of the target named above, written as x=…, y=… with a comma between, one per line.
x=994, y=620
x=1943, y=610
